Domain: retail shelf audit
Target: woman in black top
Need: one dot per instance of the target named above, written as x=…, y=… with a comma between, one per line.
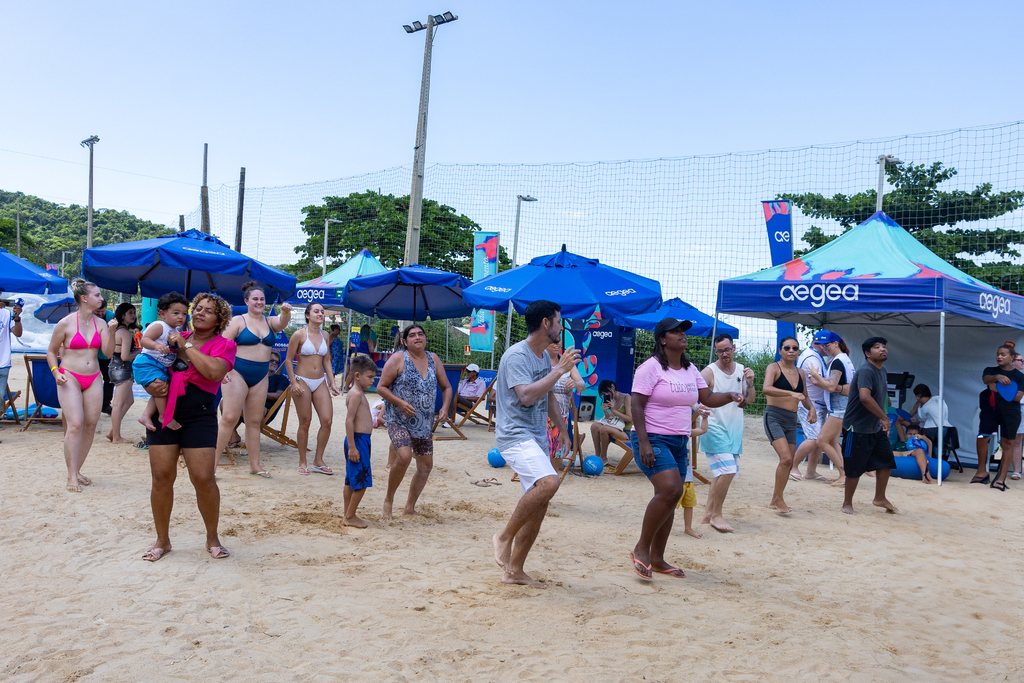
x=1007, y=414
x=784, y=390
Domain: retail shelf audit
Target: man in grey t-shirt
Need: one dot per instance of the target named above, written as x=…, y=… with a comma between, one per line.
x=866, y=445
x=524, y=382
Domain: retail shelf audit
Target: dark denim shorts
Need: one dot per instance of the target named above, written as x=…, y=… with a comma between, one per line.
x=670, y=453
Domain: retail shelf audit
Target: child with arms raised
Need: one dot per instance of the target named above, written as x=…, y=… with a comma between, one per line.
x=154, y=363
x=358, y=425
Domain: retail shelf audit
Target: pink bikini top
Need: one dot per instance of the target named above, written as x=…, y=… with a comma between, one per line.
x=78, y=341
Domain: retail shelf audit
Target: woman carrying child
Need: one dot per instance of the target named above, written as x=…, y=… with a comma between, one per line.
x=81, y=396
x=245, y=391
x=312, y=382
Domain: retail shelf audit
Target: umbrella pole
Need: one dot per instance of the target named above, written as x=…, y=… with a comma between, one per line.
x=942, y=380
x=714, y=332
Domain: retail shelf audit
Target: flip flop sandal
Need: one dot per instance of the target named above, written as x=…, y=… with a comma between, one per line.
x=142, y=446
x=218, y=552
x=483, y=483
x=638, y=565
x=983, y=480
x=322, y=470
x=492, y=481
x=999, y=485
x=672, y=571
x=154, y=554
x=304, y=471
x=262, y=473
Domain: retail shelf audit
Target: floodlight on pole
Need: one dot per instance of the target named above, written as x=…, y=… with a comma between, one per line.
x=327, y=222
x=90, y=143
x=883, y=161
x=515, y=249
x=412, y=232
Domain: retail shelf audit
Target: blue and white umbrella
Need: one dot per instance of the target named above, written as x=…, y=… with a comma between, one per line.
x=52, y=312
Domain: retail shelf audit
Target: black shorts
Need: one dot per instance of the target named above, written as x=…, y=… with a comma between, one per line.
x=196, y=412
x=1003, y=420
x=866, y=453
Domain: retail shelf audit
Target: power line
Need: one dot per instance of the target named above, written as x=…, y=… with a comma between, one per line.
x=114, y=170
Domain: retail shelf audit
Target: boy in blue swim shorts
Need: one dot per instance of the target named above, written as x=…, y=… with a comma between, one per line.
x=358, y=426
x=155, y=360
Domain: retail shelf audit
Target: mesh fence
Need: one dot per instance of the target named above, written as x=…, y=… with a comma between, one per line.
x=686, y=222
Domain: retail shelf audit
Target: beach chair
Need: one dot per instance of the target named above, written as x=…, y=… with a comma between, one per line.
x=454, y=375
x=7, y=402
x=278, y=434
x=472, y=413
x=576, y=438
x=950, y=444
x=44, y=387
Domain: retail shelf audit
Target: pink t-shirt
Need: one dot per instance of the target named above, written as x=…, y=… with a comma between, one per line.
x=671, y=396
x=217, y=347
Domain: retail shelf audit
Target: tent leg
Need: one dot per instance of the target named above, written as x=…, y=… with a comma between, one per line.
x=714, y=333
x=942, y=380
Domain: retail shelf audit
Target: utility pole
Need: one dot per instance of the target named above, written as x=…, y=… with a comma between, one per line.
x=90, y=143
x=241, y=203
x=181, y=222
x=17, y=219
x=883, y=160
x=412, y=233
x=515, y=249
x=204, y=196
x=62, y=261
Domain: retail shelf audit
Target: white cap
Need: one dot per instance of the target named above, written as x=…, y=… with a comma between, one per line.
x=472, y=367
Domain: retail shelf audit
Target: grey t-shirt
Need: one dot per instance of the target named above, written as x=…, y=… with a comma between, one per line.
x=857, y=418
x=514, y=422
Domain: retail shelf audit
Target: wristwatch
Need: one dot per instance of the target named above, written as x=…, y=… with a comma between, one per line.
x=188, y=345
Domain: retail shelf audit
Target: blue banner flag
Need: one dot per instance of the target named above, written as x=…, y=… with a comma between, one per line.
x=778, y=218
x=485, y=263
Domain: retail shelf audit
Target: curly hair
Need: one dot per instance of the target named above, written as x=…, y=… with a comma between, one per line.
x=223, y=308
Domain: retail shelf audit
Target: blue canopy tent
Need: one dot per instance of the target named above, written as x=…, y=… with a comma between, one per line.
x=876, y=279
x=188, y=262
x=19, y=276
x=703, y=324
x=327, y=289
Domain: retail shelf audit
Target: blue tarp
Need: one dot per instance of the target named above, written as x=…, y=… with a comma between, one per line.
x=874, y=273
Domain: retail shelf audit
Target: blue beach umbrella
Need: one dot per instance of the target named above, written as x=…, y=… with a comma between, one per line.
x=188, y=262
x=408, y=293
x=18, y=275
x=327, y=289
x=52, y=312
x=577, y=283
x=703, y=324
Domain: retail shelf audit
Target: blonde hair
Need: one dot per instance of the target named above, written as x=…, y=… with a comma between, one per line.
x=80, y=288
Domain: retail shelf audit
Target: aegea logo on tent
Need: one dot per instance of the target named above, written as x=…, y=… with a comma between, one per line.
x=819, y=294
x=492, y=288
x=601, y=335
x=621, y=292
x=311, y=294
x=995, y=303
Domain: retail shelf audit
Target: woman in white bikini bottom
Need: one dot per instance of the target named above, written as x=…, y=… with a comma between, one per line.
x=308, y=379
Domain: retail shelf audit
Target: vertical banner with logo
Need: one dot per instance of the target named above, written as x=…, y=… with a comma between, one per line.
x=485, y=262
x=778, y=218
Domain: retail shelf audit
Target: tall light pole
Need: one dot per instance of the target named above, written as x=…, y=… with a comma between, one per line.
x=883, y=161
x=90, y=143
x=412, y=232
x=515, y=250
x=327, y=222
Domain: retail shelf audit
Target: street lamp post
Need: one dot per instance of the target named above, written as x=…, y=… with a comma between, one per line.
x=883, y=161
x=62, y=261
x=412, y=232
x=90, y=143
x=327, y=222
x=515, y=250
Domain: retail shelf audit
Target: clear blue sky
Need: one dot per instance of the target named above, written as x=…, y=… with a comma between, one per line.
x=308, y=91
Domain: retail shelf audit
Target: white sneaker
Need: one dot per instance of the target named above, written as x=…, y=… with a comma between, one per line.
x=1014, y=475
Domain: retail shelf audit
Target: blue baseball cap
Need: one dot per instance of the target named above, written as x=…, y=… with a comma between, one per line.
x=825, y=337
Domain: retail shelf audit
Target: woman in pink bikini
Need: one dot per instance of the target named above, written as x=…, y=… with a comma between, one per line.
x=79, y=386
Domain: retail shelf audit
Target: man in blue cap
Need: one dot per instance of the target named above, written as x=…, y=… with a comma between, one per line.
x=812, y=358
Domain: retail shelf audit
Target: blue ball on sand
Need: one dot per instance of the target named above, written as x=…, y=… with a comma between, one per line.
x=593, y=465
x=494, y=458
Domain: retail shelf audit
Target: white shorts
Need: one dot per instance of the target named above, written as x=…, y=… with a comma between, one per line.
x=810, y=430
x=530, y=462
x=722, y=463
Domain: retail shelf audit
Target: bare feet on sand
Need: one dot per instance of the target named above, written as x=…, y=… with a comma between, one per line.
x=841, y=481
x=147, y=423
x=385, y=513
x=848, y=509
x=691, y=532
x=356, y=522
x=719, y=524
x=883, y=503
x=521, y=579
x=111, y=439
x=780, y=507
x=502, y=553
x=410, y=513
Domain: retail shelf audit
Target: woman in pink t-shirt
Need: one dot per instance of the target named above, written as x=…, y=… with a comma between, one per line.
x=666, y=387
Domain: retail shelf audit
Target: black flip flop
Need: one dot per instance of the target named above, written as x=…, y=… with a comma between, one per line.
x=999, y=485
x=983, y=480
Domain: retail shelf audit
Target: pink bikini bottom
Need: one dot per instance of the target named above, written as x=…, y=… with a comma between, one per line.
x=84, y=381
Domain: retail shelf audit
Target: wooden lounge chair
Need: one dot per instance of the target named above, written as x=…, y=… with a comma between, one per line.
x=7, y=402
x=472, y=413
x=454, y=375
x=44, y=386
x=278, y=434
x=627, y=458
x=576, y=437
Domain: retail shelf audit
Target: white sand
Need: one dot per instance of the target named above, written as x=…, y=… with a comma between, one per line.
x=933, y=593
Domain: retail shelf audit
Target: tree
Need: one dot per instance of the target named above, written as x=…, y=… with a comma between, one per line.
x=378, y=223
x=917, y=204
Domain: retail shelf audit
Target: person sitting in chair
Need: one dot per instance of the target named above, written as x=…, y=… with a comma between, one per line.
x=617, y=416
x=470, y=389
x=918, y=447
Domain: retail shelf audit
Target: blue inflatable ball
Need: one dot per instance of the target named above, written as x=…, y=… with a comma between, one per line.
x=593, y=465
x=494, y=458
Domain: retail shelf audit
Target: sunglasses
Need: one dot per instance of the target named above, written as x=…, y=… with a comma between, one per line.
x=790, y=348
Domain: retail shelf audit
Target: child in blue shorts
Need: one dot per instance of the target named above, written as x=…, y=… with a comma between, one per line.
x=154, y=363
x=358, y=426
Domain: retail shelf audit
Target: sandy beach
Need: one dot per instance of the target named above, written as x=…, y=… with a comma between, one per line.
x=933, y=593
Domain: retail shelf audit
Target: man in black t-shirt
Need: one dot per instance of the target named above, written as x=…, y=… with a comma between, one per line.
x=866, y=445
x=1007, y=412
